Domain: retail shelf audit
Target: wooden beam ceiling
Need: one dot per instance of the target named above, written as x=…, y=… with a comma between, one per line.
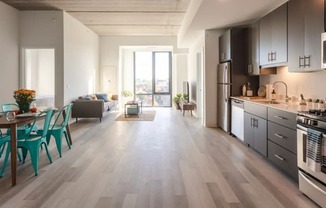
x=117, y=17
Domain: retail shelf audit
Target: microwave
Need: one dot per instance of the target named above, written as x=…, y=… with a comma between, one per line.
x=323, y=50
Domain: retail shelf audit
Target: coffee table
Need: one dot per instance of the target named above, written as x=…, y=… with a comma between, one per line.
x=133, y=108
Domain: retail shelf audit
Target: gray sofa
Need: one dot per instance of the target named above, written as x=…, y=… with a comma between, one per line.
x=92, y=108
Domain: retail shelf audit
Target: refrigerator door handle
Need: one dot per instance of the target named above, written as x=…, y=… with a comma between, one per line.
x=226, y=74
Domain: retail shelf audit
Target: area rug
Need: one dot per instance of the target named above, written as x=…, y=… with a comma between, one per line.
x=144, y=116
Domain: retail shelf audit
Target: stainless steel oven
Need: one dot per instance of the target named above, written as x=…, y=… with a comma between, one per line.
x=312, y=184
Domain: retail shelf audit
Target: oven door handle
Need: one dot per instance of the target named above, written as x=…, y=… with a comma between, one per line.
x=311, y=183
x=305, y=130
x=302, y=128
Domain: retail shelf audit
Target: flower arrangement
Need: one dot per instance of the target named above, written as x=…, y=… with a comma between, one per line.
x=24, y=98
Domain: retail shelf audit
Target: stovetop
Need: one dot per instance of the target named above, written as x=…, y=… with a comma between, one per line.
x=313, y=118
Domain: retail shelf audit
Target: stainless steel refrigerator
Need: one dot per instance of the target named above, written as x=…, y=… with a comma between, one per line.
x=224, y=91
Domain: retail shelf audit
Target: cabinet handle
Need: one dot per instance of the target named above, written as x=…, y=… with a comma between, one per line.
x=307, y=63
x=269, y=57
x=250, y=69
x=251, y=122
x=300, y=61
x=280, y=117
x=274, y=56
x=279, y=157
x=256, y=123
x=280, y=136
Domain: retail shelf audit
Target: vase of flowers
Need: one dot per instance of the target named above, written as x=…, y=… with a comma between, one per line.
x=24, y=98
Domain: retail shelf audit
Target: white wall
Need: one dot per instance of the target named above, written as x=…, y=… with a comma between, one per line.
x=81, y=59
x=210, y=76
x=196, y=48
x=311, y=85
x=110, y=50
x=44, y=29
x=127, y=69
x=9, y=52
x=181, y=72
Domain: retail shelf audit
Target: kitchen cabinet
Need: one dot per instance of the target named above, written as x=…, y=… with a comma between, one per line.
x=255, y=127
x=253, y=53
x=282, y=141
x=283, y=159
x=305, y=25
x=273, y=37
x=225, y=47
x=253, y=62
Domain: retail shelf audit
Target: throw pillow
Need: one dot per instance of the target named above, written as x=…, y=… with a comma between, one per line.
x=114, y=97
x=88, y=97
x=102, y=96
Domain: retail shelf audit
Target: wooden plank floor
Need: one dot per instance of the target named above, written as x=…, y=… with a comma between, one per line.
x=171, y=162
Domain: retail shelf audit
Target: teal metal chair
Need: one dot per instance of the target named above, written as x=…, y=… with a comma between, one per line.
x=58, y=129
x=32, y=141
x=5, y=141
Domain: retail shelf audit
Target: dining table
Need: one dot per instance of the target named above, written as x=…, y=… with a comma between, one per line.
x=12, y=125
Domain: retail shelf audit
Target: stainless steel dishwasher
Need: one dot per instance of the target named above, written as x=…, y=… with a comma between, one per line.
x=237, y=118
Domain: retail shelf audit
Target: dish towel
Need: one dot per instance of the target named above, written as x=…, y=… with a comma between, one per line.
x=313, y=150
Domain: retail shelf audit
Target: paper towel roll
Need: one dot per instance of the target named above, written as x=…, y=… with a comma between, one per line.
x=269, y=90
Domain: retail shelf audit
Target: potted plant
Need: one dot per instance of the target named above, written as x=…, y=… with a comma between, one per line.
x=176, y=100
x=126, y=94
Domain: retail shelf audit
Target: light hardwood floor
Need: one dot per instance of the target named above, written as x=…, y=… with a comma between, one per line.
x=171, y=162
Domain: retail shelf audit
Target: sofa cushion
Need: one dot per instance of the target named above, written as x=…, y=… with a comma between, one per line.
x=102, y=96
x=114, y=97
x=87, y=97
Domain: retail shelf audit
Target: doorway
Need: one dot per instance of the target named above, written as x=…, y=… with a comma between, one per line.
x=37, y=73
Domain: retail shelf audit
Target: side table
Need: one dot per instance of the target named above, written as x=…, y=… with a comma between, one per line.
x=187, y=106
x=133, y=108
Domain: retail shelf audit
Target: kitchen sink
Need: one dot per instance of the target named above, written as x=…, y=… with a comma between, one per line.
x=268, y=102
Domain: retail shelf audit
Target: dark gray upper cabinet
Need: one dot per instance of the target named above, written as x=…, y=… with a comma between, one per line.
x=253, y=62
x=305, y=25
x=225, y=47
x=273, y=37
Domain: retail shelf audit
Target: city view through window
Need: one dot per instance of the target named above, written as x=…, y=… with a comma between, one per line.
x=153, y=78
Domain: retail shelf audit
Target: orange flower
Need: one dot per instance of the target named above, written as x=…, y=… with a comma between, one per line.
x=24, y=95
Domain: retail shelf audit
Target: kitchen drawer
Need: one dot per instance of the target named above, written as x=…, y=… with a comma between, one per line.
x=255, y=109
x=283, y=159
x=283, y=118
x=283, y=136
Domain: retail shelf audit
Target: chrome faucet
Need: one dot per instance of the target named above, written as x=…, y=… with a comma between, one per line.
x=286, y=90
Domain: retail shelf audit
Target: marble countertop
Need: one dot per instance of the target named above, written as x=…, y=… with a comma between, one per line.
x=292, y=107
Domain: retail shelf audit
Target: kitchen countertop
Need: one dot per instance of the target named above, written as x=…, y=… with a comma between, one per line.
x=292, y=107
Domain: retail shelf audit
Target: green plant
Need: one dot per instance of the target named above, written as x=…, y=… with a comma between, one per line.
x=185, y=97
x=176, y=99
x=126, y=93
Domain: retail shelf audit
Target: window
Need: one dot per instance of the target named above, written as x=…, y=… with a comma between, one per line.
x=153, y=78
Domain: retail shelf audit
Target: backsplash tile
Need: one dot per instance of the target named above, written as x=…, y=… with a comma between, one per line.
x=311, y=85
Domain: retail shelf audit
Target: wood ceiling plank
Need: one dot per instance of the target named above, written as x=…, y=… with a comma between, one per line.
x=101, y=5
x=117, y=17
x=126, y=18
x=136, y=30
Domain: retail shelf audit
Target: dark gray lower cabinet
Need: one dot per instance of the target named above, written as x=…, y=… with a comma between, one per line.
x=283, y=159
x=255, y=133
